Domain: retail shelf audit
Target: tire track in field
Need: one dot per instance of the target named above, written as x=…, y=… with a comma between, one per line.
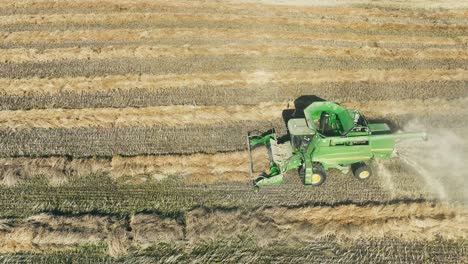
x=208, y=64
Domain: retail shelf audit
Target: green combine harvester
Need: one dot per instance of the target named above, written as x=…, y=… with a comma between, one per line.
x=329, y=137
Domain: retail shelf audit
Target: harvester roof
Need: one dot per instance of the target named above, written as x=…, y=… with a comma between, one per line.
x=314, y=111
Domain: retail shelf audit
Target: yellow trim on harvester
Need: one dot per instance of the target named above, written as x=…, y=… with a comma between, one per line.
x=316, y=178
x=357, y=157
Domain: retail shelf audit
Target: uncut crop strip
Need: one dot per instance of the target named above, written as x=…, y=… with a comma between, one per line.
x=194, y=169
x=416, y=222
x=345, y=222
x=230, y=88
x=244, y=250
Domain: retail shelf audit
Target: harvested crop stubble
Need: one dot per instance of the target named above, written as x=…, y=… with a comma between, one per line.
x=217, y=20
x=171, y=116
x=112, y=35
x=292, y=15
x=216, y=64
x=240, y=80
x=243, y=88
x=203, y=41
x=131, y=141
x=174, y=116
x=244, y=7
x=228, y=94
x=35, y=55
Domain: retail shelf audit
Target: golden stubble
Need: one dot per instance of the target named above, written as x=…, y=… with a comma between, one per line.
x=243, y=79
x=343, y=9
x=142, y=52
x=175, y=116
x=184, y=18
x=234, y=35
x=179, y=115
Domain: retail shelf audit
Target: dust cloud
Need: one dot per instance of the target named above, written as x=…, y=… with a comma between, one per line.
x=441, y=161
x=387, y=178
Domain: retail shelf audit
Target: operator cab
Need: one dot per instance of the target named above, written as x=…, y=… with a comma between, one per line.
x=326, y=119
x=332, y=120
x=301, y=135
x=328, y=124
x=360, y=125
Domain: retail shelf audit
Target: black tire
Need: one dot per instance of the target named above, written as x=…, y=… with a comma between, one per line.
x=256, y=189
x=256, y=180
x=361, y=171
x=318, y=171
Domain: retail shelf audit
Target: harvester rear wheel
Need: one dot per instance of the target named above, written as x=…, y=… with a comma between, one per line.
x=361, y=171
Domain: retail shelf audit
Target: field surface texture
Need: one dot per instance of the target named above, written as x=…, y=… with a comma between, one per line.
x=123, y=130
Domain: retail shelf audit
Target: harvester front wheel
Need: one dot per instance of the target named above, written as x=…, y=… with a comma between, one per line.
x=318, y=175
x=361, y=171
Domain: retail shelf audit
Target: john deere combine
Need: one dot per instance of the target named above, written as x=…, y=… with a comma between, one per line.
x=329, y=137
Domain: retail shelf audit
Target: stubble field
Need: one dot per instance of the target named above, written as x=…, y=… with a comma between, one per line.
x=122, y=130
